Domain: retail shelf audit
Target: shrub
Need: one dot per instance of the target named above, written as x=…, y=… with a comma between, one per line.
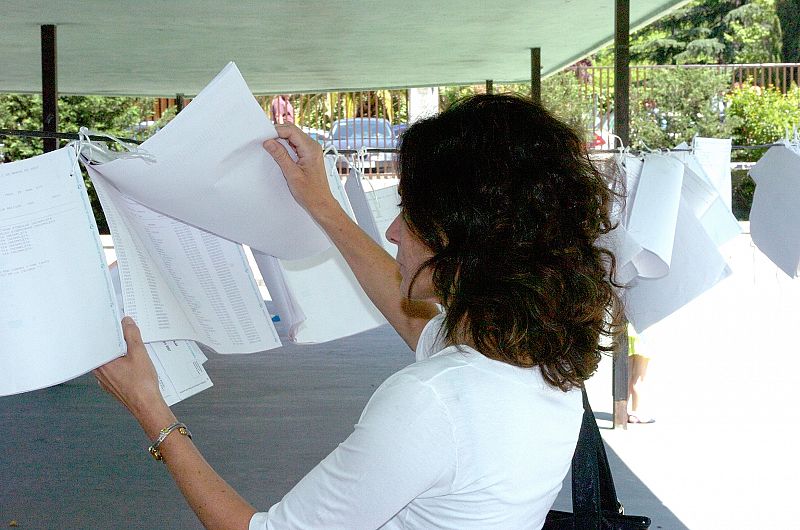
x=763, y=115
x=742, y=190
x=674, y=105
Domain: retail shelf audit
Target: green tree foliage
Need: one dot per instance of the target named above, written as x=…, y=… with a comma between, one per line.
x=319, y=111
x=673, y=105
x=712, y=32
x=450, y=94
x=788, y=12
x=121, y=117
x=754, y=32
x=20, y=112
x=118, y=116
x=564, y=94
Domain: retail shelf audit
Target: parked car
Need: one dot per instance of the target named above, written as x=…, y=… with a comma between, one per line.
x=398, y=130
x=317, y=134
x=370, y=133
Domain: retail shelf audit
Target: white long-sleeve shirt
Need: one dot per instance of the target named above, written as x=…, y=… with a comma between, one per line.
x=455, y=440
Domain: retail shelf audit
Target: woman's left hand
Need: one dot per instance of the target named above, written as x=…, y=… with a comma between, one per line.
x=132, y=379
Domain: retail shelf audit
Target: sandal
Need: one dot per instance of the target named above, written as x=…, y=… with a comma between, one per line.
x=633, y=418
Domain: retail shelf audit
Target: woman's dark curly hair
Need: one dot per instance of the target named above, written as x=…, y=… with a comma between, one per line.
x=505, y=196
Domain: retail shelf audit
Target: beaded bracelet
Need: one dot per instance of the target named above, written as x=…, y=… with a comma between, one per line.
x=162, y=435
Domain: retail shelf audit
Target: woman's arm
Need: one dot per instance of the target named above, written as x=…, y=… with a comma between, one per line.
x=376, y=271
x=133, y=381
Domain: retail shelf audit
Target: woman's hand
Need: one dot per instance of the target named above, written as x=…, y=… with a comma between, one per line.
x=132, y=379
x=307, y=178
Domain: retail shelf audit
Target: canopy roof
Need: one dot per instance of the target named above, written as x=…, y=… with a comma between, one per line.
x=157, y=48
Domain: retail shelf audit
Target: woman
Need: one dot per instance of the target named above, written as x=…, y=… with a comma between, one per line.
x=501, y=212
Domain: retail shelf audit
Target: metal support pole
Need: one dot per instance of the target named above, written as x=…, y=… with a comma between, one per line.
x=536, y=75
x=622, y=74
x=489, y=86
x=179, y=102
x=620, y=380
x=621, y=129
x=49, y=85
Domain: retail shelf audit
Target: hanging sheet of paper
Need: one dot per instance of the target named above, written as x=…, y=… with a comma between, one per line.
x=178, y=363
x=374, y=207
x=210, y=171
x=335, y=182
x=625, y=249
x=631, y=167
x=58, y=314
x=286, y=305
x=775, y=214
x=361, y=208
x=695, y=267
x=331, y=301
x=705, y=200
x=714, y=156
x=319, y=298
x=654, y=214
x=180, y=282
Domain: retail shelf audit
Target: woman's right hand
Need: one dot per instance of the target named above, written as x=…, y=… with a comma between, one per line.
x=306, y=177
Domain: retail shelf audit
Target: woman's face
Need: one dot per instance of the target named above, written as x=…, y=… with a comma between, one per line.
x=411, y=254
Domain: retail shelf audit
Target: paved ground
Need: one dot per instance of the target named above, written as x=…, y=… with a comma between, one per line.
x=719, y=456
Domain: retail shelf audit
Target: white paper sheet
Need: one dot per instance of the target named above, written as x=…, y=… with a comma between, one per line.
x=696, y=266
x=180, y=282
x=58, y=314
x=625, y=250
x=775, y=214
x=179, y=365
x=705, y=201
x=286, y=305
x=654, y=214
x=327, y=293
x=361, y=208
x=714, y=156
x=335, y=184
x=211, y=172
x=374, y=208
x=631, y=167
x=319, y=298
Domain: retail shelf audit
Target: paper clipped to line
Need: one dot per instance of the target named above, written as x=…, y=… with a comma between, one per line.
x=374, y=208
x=180, y=282
x=775, y=214
x=58, y=313
x=705, y=200
x=696, y=266
x=319, y=298
x=211, y=171
x=654, y=214
x=714, y=156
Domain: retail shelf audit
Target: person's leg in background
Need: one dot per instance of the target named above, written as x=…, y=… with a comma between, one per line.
x=637, y=385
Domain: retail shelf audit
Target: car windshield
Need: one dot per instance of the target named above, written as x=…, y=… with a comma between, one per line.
x=361, y=127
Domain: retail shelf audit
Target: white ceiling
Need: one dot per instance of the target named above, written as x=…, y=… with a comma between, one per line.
x=164, y=47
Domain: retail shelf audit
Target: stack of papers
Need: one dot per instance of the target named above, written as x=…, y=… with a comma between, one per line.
x=675, y=219
x=180, y=209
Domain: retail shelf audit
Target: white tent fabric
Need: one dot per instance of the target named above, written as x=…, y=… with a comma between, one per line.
x=155, y=48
